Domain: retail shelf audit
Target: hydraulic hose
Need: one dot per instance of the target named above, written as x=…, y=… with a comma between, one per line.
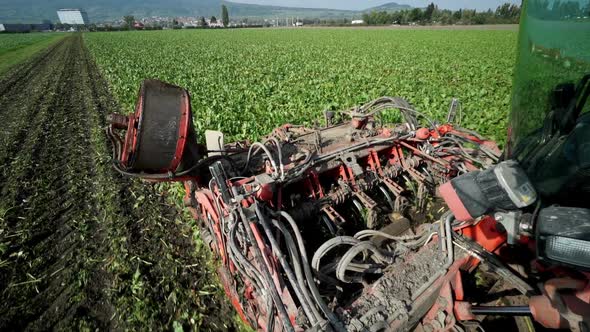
x=370, y=232
x=170, y=175
x=416, y=243
x=294, y=253
x=243, y=261
x=268, y=154
x=242, y=264
x=270, y=326
x=328, y=246
x=499, y=310
x=334, y=321
x=358, y=248
x=286, y=322
x=280, y=152
x=310, y=311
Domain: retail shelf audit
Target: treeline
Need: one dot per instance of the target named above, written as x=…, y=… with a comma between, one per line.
x=504, y=14
x=109, y=27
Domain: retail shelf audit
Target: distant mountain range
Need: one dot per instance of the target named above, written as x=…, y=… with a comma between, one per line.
x=33, y=11
x=390, y=6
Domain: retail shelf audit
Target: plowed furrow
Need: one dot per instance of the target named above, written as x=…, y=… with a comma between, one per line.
x=17, y=78
x=81, y=247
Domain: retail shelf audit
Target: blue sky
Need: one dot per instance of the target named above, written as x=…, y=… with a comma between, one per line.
x=363, y=4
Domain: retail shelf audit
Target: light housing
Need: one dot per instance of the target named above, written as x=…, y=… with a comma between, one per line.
x=563, y=236
x=504, y=186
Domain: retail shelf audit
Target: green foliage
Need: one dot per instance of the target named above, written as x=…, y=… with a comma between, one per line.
x=224, y=15
x=129, y=20
x=15, y=48
x=11, y=42
x=506, y=13
x=246, y=82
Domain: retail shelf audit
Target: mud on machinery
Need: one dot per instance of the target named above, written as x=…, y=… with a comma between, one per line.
x=361, y=226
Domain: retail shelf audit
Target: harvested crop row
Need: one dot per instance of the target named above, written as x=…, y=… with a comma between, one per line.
x=80, y=247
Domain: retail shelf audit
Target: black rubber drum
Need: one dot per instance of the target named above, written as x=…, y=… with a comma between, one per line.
x=160, y=134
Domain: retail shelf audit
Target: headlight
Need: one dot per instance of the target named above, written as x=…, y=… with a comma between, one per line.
x=563, y=236
x=570, y=251
x=502, y=187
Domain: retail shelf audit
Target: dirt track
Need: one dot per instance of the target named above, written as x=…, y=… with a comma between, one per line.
x=81, y=246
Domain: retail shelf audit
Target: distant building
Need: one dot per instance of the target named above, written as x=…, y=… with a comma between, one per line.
x=72, y=16
x=42, y=27
x=218, y=24
x=25, y=27
x=15, y=27
x=357, y=22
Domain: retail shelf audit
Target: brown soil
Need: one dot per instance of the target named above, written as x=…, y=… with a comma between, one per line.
x=390, y=298
x=80, y=246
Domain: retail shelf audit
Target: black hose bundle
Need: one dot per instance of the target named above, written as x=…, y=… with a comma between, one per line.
x=381, y=104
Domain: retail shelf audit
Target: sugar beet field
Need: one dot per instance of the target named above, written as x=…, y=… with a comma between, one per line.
x=83, y=248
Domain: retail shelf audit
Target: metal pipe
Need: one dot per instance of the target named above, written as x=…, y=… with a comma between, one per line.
x=502, y=310
x=499, y=267
x=449, y=233
x=442, y=244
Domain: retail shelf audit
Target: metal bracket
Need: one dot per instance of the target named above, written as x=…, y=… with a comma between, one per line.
x=511, y=222
x=349, y=160
x=395, y=188
x=367, y=201
x=333, y=215
x=416, y=175
x=214, y=140
x=455, y=104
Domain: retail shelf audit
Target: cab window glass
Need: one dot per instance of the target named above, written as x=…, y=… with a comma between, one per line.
x=554, y=48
